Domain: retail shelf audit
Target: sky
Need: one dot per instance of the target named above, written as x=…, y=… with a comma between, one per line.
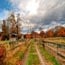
x=35, y=14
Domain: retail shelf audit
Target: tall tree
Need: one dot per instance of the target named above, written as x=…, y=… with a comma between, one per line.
x=4, y=30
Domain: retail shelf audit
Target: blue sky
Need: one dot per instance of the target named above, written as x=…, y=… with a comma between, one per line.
x=4, y=4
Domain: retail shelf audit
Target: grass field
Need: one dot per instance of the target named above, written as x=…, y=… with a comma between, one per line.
x=59, y=40
x=32, y=57
x=51, y=60
x=15, y=53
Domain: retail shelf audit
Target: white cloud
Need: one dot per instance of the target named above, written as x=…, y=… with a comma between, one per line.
x=27, y=6
x=44, y=6
x=41, y=12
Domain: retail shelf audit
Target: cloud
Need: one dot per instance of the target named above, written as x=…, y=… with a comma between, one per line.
x=48, y=13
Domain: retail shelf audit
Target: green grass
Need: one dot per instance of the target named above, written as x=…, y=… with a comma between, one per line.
x=5, y=41
x=32, y=57
x=48, y=56
x=20, y=54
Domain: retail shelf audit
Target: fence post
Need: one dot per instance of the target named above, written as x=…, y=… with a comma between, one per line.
x=57, y=51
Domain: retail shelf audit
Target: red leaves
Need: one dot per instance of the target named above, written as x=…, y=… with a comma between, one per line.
x=35, y=35
x=49, y=33
x=42, y=34
x=28, y=36
x=2, y=54
x=19, y=62
x=61, y=32
x=2, y=51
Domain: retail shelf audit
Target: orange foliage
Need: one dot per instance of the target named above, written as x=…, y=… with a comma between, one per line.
x=49, y=33
x=35, y=35
x=61, y=32
x=42, y=34
x=2, y=54
x=28, y=36
x=19, y=63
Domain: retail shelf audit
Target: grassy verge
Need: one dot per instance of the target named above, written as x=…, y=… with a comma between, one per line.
x=19, y=55
x=50, y=58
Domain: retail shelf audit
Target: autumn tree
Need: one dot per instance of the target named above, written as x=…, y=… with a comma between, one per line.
x=4, y=30
x=35, y=35
x=27, y=36
x=49, y=33
x=14, y=26
x=60, y=32
x=42, y=34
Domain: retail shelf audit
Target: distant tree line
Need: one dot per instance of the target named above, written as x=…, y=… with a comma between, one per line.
x=58, y=31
